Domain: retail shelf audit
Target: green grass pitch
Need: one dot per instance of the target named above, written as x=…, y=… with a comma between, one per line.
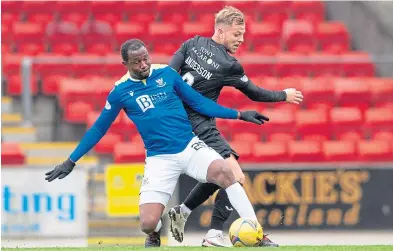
x=284, y=248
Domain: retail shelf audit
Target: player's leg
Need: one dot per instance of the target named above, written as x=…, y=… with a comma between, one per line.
x=159, y=181
x=151, y=207
x=206, y=165
x=222, y=208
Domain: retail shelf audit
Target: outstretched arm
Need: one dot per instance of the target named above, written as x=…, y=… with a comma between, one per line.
x=100, y=127
x=90, y=139
x=210, y=108
x=240, y=81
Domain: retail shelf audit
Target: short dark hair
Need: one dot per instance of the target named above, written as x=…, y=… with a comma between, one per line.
x=131, y=44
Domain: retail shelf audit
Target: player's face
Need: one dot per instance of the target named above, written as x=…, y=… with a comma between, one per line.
x=234, y=37
x=138, y=63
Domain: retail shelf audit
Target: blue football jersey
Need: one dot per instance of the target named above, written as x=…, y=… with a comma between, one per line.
x=155, y=106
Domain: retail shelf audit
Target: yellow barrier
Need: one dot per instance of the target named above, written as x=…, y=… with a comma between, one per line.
x=122, y=184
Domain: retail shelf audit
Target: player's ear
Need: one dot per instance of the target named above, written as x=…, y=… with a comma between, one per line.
x=124, y=63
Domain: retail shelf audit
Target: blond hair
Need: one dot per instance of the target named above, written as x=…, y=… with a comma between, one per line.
x=229, y=15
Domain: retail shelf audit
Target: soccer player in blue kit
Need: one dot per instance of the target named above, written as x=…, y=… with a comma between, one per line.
x=151, y=96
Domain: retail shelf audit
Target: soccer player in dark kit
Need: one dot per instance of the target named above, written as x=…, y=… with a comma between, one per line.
x=206, y=65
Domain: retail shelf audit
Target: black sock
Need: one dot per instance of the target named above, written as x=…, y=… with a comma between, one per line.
x=199, y=194
x=220, y=211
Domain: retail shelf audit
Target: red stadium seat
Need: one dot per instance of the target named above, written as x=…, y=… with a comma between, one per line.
x=108, y=11
x=281, y=121
x=129, y=152
x=76, y=12
x=247, y=7
x=357, y=64
x=12, y=154
x=39, y=12
x=244, y=149
x=339, y=151
x=318, y=90
x=86, y=69
x=299, y=36
x=305, y=151
x=312, y=11
x=29, y=37
x=375, y=150
x=255, y=64
x=270, y=152
x=11, y=63
x=190, y=29
x=15, y=86
x=167, y=32
x=265, y=38
x=125, y=31
x=97, y=37
x=292, y=82
x=346, y=119
x=333, y=37
x=386, y=136
x=315, y=137
x=168, y=11
x=203, y=11
x=63, y=37
x=292, y=64
x=349, y=136
x=379, y=119
x=274, y=11
x=166, y=48
x=381, y=89
x=7, y=19
x=247, y=137
x=352, y=92
x=139, y=6
x=11, y=6
x=325, y=64
x=107, y=144
x=312, y=122
x=281, y=137
x=75, y=112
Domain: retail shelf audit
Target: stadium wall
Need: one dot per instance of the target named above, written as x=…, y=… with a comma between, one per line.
x=370, y=25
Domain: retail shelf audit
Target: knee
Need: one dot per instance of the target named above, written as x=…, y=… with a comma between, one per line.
x=225, y=177
x=148, y=224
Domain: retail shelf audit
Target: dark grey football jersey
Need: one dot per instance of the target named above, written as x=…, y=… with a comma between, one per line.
x=207, y=67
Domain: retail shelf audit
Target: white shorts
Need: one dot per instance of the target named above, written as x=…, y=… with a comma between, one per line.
x=162, y=171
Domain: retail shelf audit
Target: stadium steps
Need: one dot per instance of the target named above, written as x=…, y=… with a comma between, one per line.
x=44, y=149
x=18, y=134
x=52, y=161
x=11, y=119
x=6, y=105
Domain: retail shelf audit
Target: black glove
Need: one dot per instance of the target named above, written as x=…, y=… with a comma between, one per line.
x=60, y=171
x=254, y=117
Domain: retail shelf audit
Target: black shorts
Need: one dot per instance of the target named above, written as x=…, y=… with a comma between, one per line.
x=208, y=133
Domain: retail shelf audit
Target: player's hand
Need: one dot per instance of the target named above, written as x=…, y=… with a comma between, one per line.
x=60, y=171
x=253, y=117
x=293, y=96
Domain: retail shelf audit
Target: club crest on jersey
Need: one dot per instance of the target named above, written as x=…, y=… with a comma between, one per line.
x=132, y=93
x=160, y=82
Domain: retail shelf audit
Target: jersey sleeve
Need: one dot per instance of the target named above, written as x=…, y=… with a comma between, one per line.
x=240, y=81
x=178, y=58
x=112, y=108
x=200, y=103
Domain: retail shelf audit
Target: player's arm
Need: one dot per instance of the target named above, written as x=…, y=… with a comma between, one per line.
x=179, y=57
x=239, y=80
x=210, y=108
x=91, y=138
